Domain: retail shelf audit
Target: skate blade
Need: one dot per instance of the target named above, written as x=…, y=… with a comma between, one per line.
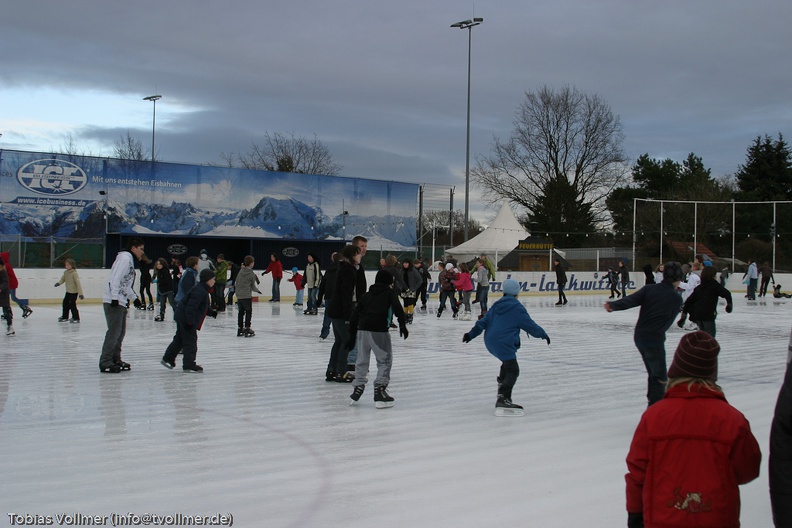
x=504, y=411
x=384, y=405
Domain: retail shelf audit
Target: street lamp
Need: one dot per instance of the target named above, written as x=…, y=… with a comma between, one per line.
x=153, y=99
x=469, y=25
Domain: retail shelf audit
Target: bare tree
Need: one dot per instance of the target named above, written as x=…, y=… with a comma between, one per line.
x=561, y=161
x=129, y=148
x=286, y=153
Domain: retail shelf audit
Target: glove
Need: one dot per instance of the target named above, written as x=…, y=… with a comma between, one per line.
x=547, y=338
x=729, y=308
x=466, y=338
x=403, y=331
x=114, y=302
x=635, y=520
x=57, y=284
x=82, y=297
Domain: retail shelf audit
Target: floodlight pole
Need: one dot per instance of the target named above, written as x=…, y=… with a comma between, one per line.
x=469, y=25
x=153, y=99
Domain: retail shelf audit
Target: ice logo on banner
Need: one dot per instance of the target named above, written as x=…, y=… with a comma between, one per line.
x=290, y=252
x=52, y=177
x=177, y=249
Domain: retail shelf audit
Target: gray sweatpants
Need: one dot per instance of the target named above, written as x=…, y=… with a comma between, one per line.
x=380, y=344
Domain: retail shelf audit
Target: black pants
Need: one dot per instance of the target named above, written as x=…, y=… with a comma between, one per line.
x=70, y=305
x=186, y=342
x=509, y=372
x=561, y=294
x=218, y=296
x=422, y=294
x=144, y=289
x=245, y=312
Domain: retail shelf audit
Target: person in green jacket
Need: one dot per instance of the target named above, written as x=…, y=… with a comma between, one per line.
x=221, y=277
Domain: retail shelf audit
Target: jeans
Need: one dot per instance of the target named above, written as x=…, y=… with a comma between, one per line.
x=21, y=302
x=325, y=321
x=448, y=294
x=482, y=294
x=165, y=298
x=752, y=288
x=245, y=312
x=116, y=317
x=654, y=358
x=275, y=289
x=340, y=351
x=298, y=298
x=313, y=293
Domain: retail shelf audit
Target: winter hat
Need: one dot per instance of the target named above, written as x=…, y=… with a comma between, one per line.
x=295, y=270
x=383, y=277
x=672, y=272
x=449, y=266
x=511, y=287
x=206, y=275
x=203, y=252
x=696, y=357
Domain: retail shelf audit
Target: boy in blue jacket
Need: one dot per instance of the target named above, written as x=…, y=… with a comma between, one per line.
x=501, y=326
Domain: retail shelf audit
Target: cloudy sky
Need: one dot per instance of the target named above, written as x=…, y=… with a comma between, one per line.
x=384, y=84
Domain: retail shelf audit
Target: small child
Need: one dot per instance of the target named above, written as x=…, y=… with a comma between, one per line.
x=73, y=289
x=297, y=279
x=613, y=281
x=245, y=284
x=369, y=325
x=5, y=300
x=501, y=326
x=692, y=449
x=190, y=314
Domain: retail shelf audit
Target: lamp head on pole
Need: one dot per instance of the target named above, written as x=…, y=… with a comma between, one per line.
x=466, y=24
x=153, y=98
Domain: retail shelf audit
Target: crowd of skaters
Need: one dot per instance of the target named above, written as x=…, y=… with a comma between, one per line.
x=684, y=401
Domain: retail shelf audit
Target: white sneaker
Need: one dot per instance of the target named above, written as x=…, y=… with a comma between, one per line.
x=10, y=331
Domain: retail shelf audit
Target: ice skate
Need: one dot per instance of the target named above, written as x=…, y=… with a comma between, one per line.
x=63, y=319
x=123, y=365
x=10, y=331
x=150, y=307
x=505, y=407
x=74, y=320
x=26, y=311
x=249, y=332
x=193, y=369
x=382, y=400
x=466, y=316
x=159, y=318
x=167, y=364
x=357, y=393
x=240, y=332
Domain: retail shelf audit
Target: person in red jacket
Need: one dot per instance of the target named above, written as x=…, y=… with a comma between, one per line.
x=276, y=268
x=13, y=284
x=691, y=449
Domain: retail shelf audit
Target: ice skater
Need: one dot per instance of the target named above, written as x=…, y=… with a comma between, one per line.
x=702, y=305
x=691, y=450
x=5, y=300
x=246, y=283
x=501, y=326
x=13, y=284
x=368, y=328
x=660, y=305
x=190, y=315
x=118, y=292
x=73, y=290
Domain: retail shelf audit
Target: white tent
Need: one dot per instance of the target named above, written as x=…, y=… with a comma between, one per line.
x=502, y=236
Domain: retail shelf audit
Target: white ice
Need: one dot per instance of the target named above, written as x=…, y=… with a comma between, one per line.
x=262, y=436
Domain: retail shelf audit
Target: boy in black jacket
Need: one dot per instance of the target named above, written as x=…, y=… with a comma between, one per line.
x=190, y=314
x=702, y=305
x=369, y=326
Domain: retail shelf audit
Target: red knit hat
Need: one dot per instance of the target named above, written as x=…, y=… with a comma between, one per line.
x=696, y=357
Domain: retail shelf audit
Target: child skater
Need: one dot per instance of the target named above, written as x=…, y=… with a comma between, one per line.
x=369, y=327
x=245, y=284
x=5, y=299
x=73, y=289
x=501, y=326
x=702, y=305
x=299, y=288
x=691, y=449
x=190, y=314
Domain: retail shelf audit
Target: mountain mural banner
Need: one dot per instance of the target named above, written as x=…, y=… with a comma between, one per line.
x=59, y=195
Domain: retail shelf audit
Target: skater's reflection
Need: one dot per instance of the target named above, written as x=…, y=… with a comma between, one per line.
x=111, y=405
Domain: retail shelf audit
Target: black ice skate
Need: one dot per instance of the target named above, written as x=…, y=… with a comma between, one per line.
x=505, y=407
x=381, y=398
x=357, y=393
x=241, y=332
x=123, y=365
x=249, y=332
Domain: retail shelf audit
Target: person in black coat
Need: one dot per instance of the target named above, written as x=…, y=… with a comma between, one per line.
x=561, y=280
x=190, y=314
x=165, y=288
x=780, y=463
x=702, y=305
x=660, y=305
x=326, y=290
x=340, y=311
x=624, y=277
x=369, y=325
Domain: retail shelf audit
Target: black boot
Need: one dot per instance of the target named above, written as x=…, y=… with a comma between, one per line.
x=382, y=400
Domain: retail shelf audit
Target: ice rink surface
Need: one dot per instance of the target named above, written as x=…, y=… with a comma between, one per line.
x=260, y=435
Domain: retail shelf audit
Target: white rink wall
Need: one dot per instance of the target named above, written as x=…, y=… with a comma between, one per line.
x=37, y=283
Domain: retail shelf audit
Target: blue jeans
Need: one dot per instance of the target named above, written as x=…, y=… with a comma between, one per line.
x=21, y=302
x=276, y=289
x=654, y=358
x=313, y=293
x=340, y=351
x=482, y=294
x=298, y=298
x=752, y=288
